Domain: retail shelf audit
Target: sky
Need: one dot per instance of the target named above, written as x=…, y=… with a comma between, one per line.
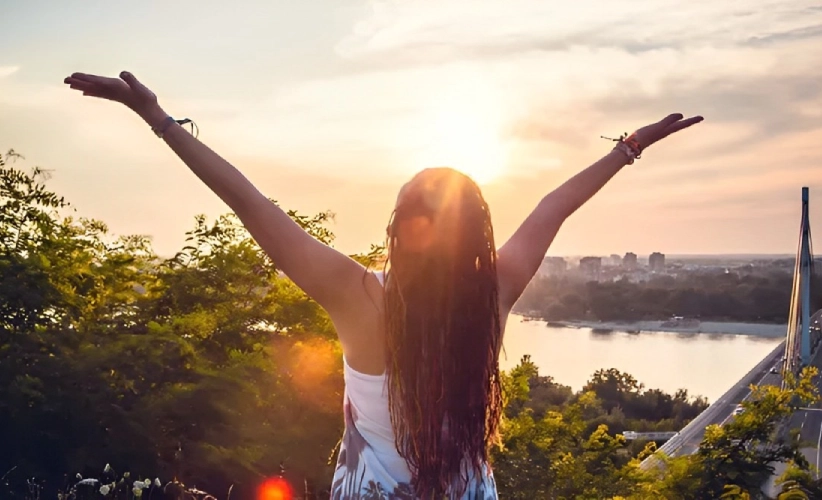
x=333, y=105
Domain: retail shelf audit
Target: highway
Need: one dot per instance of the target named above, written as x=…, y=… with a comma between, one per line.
x=810, y=438
x=809, y=423
x=721, y=410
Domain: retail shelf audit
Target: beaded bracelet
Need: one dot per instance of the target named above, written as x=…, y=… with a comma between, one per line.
x=629, y=145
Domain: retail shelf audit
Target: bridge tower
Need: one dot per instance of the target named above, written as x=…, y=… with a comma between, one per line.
x=806, y=271
x=798, y=344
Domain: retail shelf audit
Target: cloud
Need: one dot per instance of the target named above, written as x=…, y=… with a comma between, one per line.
x=401, y=33
x=8, y=70
x=786, y=100
x=564, y=100
x=803, y=33
x=547, y=77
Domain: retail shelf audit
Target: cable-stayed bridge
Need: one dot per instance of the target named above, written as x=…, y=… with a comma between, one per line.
x=800, y=349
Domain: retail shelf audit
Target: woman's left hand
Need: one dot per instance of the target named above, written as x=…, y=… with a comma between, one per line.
x=655, y=132
x=125, y=90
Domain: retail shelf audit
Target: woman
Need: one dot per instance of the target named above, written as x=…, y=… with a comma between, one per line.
x=420, y=341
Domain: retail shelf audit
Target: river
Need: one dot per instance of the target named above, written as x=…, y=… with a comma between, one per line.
x=704, y=364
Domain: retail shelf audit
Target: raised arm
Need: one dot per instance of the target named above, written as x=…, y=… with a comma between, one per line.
x=522, y=254
x=328, y=276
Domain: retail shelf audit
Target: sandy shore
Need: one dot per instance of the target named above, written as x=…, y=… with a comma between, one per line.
x=708, y=327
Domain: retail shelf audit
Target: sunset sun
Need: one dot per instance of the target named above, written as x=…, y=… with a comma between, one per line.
x=465, y=136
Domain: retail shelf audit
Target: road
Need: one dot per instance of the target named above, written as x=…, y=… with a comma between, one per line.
x=688, y=439
x=722, y=409
x=809, y=423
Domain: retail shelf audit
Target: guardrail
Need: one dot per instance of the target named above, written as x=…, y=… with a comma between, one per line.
x=650, y=436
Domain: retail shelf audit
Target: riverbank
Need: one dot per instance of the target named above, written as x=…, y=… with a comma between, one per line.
x=695, y=327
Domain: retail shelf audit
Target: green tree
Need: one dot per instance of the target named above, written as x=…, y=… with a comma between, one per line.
x=209, y=366
x=735, y=459
x=798, y=483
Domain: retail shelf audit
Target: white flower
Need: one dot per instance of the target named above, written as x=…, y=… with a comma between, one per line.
x=104, y=490
x=157, y=482
x=107, y=468
x=137, y=492
x=147, y=483
x=79, y=476
x=89, y=481
x=125, y=475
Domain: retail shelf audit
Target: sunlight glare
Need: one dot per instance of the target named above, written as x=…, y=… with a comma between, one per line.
x=464, y=133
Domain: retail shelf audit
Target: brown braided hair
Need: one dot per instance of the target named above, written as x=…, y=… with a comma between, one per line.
x=443, y=334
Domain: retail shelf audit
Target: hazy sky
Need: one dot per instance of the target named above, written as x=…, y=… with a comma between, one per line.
x=334, y=104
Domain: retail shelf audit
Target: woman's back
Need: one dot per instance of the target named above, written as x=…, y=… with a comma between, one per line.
x=369, y=465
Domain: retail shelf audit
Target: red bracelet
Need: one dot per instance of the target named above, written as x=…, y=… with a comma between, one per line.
x=629, y=145
x=632, y=142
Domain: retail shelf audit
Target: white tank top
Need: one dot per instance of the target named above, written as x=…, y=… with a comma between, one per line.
x=369, y=466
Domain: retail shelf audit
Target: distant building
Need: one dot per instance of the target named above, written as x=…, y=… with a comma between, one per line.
x=656, y=262
x=591, y=267
x=553, y=266
x=629, y=261
x=614, y=260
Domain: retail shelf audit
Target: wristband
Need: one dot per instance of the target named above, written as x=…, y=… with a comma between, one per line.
x=629, y=145
x=160, y=129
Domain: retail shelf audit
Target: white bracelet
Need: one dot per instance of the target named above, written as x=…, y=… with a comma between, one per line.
x=627, y=150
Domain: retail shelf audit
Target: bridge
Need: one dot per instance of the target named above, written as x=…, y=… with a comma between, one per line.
x=799, y=349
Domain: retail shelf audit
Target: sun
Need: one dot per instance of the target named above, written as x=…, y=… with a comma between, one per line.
x=465, y=136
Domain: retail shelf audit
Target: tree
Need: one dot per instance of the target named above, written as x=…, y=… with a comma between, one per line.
x=181, y=367
x=565, y=450
x=797, y=483
x=734, y=460
x=613, y=387
x=745, y=294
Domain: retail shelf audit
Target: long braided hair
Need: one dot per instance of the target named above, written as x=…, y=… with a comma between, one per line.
x=443, y=333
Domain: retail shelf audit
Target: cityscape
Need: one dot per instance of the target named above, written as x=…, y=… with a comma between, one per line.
x=639, y=269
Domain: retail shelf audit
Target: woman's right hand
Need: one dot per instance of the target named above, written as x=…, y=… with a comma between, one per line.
x=125, y=90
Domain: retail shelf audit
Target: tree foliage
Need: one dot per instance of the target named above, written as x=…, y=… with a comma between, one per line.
x=208, y=366
x=738, y=296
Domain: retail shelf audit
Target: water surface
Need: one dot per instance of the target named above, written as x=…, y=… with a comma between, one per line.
x=704, y=364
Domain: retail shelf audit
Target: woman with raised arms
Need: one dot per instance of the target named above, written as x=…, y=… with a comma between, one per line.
x=420, y=340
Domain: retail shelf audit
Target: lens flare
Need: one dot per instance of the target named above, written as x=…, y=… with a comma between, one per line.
x=274, y=489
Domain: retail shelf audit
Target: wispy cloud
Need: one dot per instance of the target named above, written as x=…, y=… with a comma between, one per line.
x=813, y=31
x=404, y=32
x=8, y=70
